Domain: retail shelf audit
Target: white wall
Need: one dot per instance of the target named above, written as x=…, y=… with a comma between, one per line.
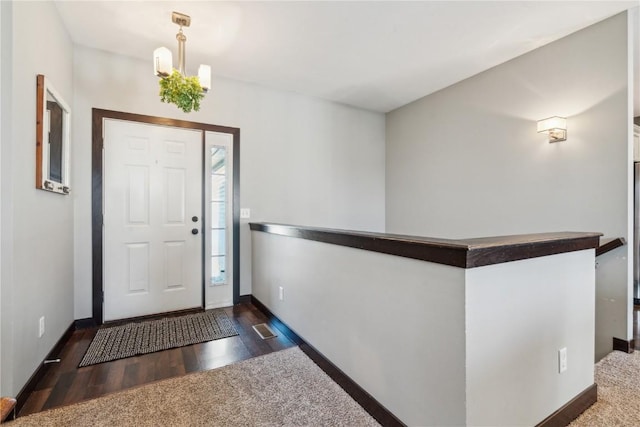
x=394, y=325
x=518, y=315
x=302, y=160
x=467, y=161
x=435, y=344
x=37, y=226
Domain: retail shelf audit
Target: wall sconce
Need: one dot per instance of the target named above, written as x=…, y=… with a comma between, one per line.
x=555, y=126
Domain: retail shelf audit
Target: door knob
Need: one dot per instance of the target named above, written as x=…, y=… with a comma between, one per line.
x=194, y=231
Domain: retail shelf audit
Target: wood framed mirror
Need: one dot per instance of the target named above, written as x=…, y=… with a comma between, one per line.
x=53, y=120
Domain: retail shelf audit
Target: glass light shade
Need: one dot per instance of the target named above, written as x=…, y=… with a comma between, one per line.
x=552, y=123
x=162, y=62
x=555, y=127
x=204, y=76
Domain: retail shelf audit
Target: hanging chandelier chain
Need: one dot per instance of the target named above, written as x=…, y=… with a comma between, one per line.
x=182, y=40
x=180, y=36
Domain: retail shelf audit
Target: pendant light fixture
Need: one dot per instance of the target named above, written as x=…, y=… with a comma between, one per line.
x=175, y=86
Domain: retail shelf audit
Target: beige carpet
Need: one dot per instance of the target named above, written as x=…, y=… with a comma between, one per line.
x=618, y=379
x=279, y=389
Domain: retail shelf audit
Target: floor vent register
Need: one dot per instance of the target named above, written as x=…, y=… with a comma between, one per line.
x=264, y=331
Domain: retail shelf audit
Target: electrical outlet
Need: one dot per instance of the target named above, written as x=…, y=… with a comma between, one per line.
x=281, y=293
x=562, y=359
x=41, y=327
x=245, y=213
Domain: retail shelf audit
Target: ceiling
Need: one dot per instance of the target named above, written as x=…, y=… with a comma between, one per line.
x=376, y=55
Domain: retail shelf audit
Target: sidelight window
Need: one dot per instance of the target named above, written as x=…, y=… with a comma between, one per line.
x=218, y=217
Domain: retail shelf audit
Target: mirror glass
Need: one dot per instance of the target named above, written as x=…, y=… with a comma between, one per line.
x=55, y=118
x=52, y=144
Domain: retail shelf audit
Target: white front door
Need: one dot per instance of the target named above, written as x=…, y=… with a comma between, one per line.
x=152, y=208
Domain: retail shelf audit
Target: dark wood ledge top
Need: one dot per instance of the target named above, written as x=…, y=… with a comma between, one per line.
x=609, y=245
x=464, y=253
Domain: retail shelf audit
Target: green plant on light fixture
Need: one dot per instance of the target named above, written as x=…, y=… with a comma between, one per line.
x=175, y=86
x=185, y=92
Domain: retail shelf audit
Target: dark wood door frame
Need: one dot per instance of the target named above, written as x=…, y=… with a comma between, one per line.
x=97, y=120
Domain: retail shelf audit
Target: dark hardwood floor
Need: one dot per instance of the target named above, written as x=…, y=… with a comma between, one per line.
x=65, y=383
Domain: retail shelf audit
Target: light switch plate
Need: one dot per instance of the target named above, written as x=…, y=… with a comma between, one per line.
x=245, y=213
x=562, y=360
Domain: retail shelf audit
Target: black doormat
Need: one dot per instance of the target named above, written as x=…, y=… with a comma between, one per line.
x=149, y=336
